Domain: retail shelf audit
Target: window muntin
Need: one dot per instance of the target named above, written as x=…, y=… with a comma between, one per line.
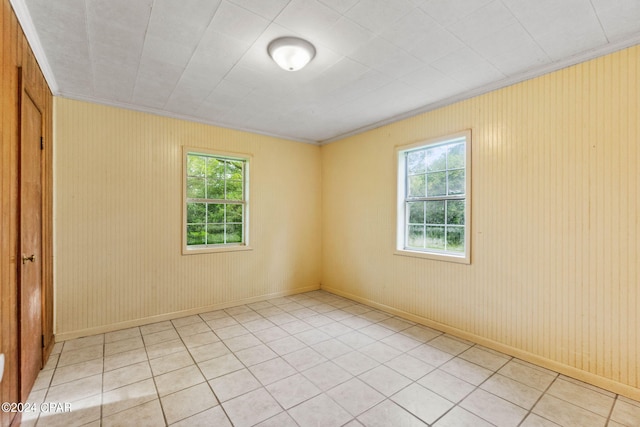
x=433, y=198
x=215, y=201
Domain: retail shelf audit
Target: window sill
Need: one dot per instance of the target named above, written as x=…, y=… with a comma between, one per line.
x=232, y=248
x=433, y=256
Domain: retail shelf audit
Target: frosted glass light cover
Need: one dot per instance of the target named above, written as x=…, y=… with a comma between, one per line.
x=291, y=53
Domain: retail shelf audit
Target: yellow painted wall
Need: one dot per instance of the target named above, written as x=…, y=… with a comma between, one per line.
x=118, y=220
x=555, y=240
x=555, y=229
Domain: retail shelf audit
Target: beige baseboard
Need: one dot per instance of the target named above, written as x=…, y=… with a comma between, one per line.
x=587, y=377
x=65, y=336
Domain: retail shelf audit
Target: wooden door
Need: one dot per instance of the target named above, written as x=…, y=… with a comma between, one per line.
x=30, y=254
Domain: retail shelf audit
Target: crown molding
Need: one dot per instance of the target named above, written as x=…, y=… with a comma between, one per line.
x=517, y=78
x=172, y=115
x=24, y=18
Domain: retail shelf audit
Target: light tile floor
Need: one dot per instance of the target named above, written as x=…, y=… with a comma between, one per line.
x=313, y=359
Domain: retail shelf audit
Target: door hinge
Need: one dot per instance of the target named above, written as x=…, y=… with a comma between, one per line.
x=41, y=143
x=42, y=336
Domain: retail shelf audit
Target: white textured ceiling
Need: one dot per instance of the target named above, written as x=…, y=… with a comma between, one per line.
x=377, y=60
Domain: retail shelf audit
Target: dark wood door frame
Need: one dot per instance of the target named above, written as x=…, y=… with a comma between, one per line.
x=28, y=99
x=31, y=341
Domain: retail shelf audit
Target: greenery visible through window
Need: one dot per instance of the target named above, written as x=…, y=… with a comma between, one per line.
x=216, y=200
x=434, y=197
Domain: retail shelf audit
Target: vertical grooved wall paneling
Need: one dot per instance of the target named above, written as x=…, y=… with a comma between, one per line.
x=15, y=52
x=118, y=220
x=555, y=240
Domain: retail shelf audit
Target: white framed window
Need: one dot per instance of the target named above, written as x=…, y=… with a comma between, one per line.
x=434, y=199
x=215, y=201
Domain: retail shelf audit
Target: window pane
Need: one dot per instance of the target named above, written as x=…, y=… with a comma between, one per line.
x=435, y=212
x=455, y=239
x=234, y=213
x=234, y=190
x=215, y=234
x=437, y=159
x=215, y=213
x=234, y=170
x=234, y=233
x=195, y=188
x=416, y=236
x=435, y=199
x=215, y=190
x=455, y=156
x=215, y=169
x=416, y=212
x=195, y=165
x=416, y=162
x=435, y=238
x=436, y=184
x=196, y=235
x=215, y=178
x=416, y=186
x=456, y=182
x=196, y=213
x=455, y=212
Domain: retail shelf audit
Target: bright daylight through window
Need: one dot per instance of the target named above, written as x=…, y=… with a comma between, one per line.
x=215, y=201
x=434, y=199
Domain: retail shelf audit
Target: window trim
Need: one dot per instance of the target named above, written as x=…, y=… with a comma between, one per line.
x=401, y=214
x=227, y=247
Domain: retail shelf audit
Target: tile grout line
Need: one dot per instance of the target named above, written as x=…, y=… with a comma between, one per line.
x=55, y=368
x=222, y=341
x=386, y=398
x=153, y=375
x=164, y=413
x=457, y=404
x=202, y=373
x=558, y=377
x=361, y=315
x=230, y=351
x=530, y=411
x=297, y=371
x=615, y=401
x=104, y=351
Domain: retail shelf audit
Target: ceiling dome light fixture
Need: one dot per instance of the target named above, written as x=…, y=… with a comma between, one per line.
x=291, y=53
